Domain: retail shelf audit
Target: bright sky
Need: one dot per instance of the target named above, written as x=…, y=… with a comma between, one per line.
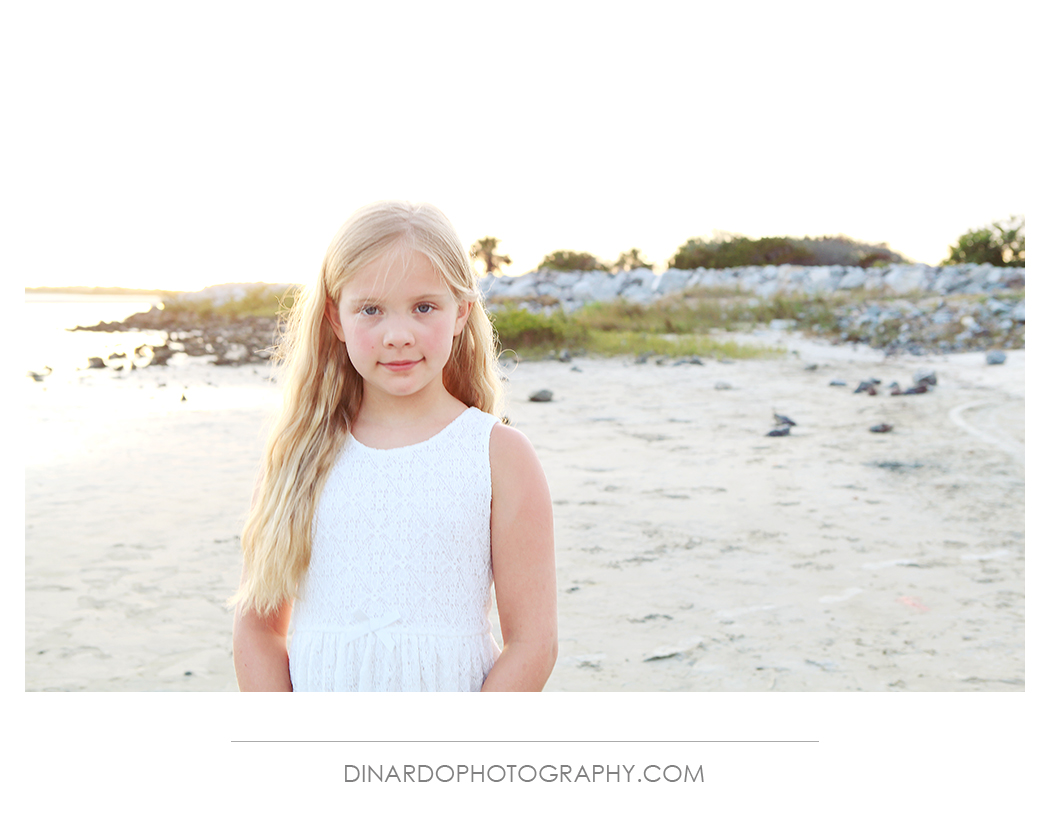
x=200, y=143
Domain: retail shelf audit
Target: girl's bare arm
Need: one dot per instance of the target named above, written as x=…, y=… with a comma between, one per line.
x=260, y=652
x=522, y=565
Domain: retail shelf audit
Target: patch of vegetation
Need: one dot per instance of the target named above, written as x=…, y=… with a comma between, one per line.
x=1000, y=244
x=570, y=260
x=261, y=301
x=726, y=250
x=530, y=334
x=699, y=311
x=637, y=343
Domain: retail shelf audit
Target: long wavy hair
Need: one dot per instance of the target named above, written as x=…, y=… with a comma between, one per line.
x=323, y=391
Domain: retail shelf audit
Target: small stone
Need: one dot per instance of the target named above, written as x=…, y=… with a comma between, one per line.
x=96, y=363
x=837, y=383
x=721, y=385
x=541, y=396
x=995, y=358
x=781, y=431
x=810, y=367
x=881, y=428
x=564, y=356
x=927, y=377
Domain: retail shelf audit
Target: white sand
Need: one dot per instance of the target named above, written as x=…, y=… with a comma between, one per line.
x=733, y=560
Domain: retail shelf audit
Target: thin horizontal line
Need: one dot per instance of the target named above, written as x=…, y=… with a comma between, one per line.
x=524, y=741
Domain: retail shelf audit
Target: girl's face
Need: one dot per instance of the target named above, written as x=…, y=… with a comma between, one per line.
x=398, y=318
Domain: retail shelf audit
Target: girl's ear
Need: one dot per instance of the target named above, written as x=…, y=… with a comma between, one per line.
x=462, y=315
x=331, y=311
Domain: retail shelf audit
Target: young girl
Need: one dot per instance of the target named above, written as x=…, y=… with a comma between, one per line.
x=391, y=498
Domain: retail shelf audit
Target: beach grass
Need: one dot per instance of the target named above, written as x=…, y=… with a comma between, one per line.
x=615, y=329
x=260, y=301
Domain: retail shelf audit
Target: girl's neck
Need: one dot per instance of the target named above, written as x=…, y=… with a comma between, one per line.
x=382, y=422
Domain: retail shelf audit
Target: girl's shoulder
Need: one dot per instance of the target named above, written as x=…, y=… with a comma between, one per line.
x=510, y=452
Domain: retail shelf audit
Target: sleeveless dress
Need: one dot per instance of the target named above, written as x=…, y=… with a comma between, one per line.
x=399, y=587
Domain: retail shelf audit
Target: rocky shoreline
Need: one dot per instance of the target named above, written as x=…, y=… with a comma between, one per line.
x=571, y=290
x=231, y=340
x=948, y=309
x=969, y=307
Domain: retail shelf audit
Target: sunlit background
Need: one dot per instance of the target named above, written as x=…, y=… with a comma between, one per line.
x=182, y=145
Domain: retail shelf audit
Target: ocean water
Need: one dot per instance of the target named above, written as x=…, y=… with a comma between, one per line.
x=74, y=411
x=47, y=319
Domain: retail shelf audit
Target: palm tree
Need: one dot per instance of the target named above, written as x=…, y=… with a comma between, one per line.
x=484, y=249
x=632, y=259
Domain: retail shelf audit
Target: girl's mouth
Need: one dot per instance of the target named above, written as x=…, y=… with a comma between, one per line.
x=400, y=365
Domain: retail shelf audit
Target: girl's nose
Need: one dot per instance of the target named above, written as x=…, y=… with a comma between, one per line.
x=397, y=333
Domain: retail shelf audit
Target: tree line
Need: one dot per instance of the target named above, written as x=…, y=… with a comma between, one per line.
x=1001, y=244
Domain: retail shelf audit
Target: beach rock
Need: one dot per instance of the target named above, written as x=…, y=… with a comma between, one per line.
x=927, y=377
x=837, y=383
x=96, y=363
x=881, y=428
x=903, y=279
x=995, y=358
x=541, y=396
x=161, y=355
x=672, y=651
x=780, y=431
x=39, y=376
x=721, y=385
x=854, y=278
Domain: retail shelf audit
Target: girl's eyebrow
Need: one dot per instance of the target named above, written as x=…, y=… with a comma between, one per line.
x=369, y=301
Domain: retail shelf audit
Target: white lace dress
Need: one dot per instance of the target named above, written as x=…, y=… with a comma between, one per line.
x=399, y=587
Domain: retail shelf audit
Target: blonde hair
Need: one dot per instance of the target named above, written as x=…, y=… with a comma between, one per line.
x=323, y=391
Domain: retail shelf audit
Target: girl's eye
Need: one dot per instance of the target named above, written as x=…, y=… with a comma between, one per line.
x=425, y=308
x=370, y=310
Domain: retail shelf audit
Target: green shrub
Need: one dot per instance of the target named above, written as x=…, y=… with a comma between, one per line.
x=569, y=260
x=727, y=250
x=1001, y=244
x=519, y=328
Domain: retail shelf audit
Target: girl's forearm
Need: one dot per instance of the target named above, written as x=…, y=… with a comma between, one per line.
x=522, y=667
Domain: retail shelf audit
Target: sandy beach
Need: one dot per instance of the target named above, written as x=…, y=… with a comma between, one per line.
x=694, y=552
